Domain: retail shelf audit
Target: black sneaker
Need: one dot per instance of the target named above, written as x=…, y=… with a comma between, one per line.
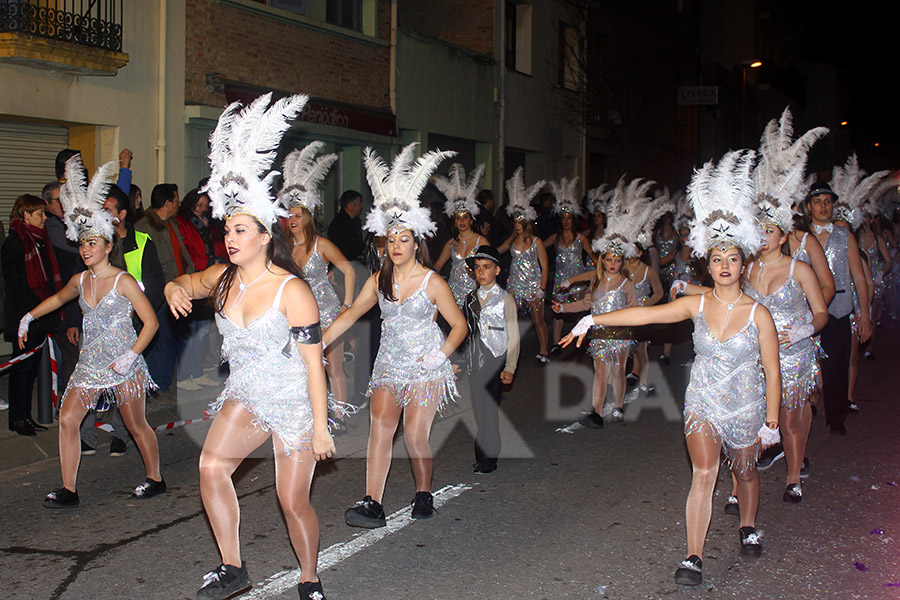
x=664, y=360
x=769, y=457
x=750, y=545
x=311, y=590
x=149, y=488
x=61, y=498
x=804, y=468
x=853, y=408
x=592, y=420
x=689, y=572
x=367, y=514
x=631, y=380
x=87, y=450
x=732, y=507
x=224, y=582
x=485, y=466
x=117, y=447
x=793, y=494
x=617, y=416
x=423, y=506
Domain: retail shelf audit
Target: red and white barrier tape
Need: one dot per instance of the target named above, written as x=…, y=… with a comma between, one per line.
x=22, y=357
x=206, y=416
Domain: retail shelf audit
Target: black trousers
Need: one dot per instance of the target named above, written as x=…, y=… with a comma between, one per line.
x=836, y=342
x=21, y=378
x=487, y=390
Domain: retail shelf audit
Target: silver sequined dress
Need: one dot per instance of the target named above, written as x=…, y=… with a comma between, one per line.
x=799, y=367
x=726, y=397
x=524, y=274
x=460, y=280
x=666, y=272
x=800, y=253
x=108, y=333
x=569, y=263
x=267, y=376
x=610, y=344
x=876, y=264
x=409, y=332
x=315, y=273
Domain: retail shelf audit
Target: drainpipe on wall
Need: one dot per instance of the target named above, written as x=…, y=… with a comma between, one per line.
x=392, y=83
x=161, y=96
x=500, y=55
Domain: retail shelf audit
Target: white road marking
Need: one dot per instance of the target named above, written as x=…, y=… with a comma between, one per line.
x=280, y=582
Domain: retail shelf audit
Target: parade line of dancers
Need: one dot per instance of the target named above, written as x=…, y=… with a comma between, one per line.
x=761, y=258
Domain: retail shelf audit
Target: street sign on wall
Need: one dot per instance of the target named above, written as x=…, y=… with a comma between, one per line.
x=693, y=95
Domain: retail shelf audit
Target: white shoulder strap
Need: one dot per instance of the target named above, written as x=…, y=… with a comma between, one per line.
x=791, y=274
x=702, y=299
x=752, y=310
x=277, y=301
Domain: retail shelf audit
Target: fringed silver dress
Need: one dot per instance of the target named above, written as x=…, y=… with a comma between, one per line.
x=460, y=280
x=108, y=333
x=524, y=274
x=315, y=274
x=409, y=332
x=799, y=367
x=726, y=395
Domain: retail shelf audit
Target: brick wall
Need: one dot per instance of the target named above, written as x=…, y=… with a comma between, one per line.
x=258, y=50
x=468, y=23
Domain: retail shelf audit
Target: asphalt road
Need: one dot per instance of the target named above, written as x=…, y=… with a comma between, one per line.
x=581, y=515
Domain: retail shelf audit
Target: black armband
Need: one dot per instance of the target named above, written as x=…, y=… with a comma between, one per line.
x=307, y=335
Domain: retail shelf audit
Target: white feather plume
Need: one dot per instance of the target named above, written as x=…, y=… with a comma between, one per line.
x=396, y=191
x=780, y=171
x=598, y=197
x=82, y=203
x=853, y=187
x=459, y=192
x=565, y=196
x=520, y=197
x=722, y=197
x=303, y=173
x=242, y=148
x=661, y=204
x=626, y=216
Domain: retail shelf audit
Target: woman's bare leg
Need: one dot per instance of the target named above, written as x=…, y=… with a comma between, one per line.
x=704, y=452
x=540, y=325
x=231, y=438
x=385, y=416
x=641, y=366
x=557, y=329
x=134, y=415
x=70, y=417
x=334, y=367
x=293, y=479
x=417, y=422
x=601, y=380
x=748, y=495
x=795, y=425
x=617, y=379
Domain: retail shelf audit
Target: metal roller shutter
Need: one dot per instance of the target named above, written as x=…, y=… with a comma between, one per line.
x=27, y=157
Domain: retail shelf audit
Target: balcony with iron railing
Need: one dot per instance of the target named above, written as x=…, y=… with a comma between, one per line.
x=80, y=37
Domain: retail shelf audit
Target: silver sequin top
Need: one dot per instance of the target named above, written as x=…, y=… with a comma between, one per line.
x=666, y=272
x=267, y=375
x=727, y=385
x=461, y=281
x=315, y=273
x=569, y=263
x=836, y=253
x=800, y=253
x=688, y=270
x=643, y=289
x=108, y=333
x=524, y=273
x=409, y=332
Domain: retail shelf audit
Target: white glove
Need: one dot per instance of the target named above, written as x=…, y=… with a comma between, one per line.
x=800, y=332
x=583, y=325
x=23, y=324
x=540, y=294
x=433, y=360
x=123, y=364
x=564, y=284
x=768, y=437
x=678, y=287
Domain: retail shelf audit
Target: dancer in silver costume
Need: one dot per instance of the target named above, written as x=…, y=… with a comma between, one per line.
x=610, y=290
x=412, y=377
x=269, y=318
x=110, y=360
x=528, y=277
x=648, y=291
x=734, y=393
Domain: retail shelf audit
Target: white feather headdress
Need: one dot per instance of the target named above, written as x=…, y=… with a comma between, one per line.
x=242, y=148
x=660, y=205
x=82, y=203
x=723, y=198
x=303, y=172
x=566, y=200
x=396, y=191
x=598, y=197
x=684, y=214
x=460, y=193
x=779, y=174
x=626, y=215
x=520, y=197
x=853, y=188
x=883, y=198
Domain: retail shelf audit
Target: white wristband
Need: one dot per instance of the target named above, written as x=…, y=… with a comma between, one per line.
x=678, y=287
x=800, y=332
x=433, y=360
x=583, y=325
x=540, y=294
x=564, y=284
x=23, y=324
x=769, y=437
x=123, y=364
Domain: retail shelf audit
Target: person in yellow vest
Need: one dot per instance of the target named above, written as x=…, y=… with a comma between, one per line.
x=142, y=264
